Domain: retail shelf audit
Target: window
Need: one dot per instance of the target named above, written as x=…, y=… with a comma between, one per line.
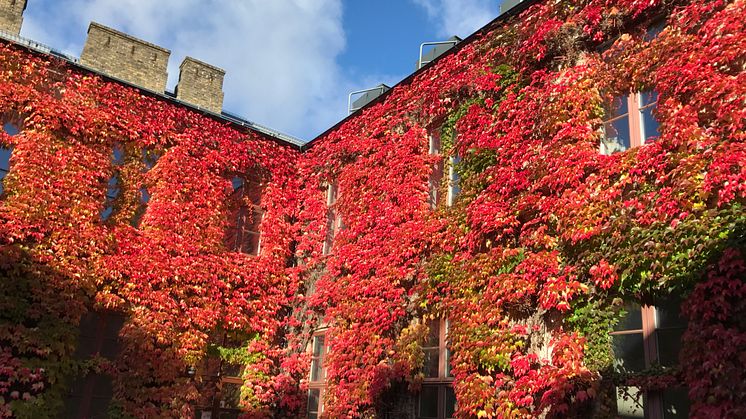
x=245, y=215
x=221, y=376
x=333, y=219
x=5, y=152
x=436, y=399
x=112, y=187
x=436, y=177
x=629, y=122
x=454, y=180
x=648, y=336
x=317, y=379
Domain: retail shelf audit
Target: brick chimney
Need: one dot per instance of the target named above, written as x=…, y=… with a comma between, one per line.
x=125, y=57
x=201, y=84
x=11, y=16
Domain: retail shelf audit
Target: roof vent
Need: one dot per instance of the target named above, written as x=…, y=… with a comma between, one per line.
x=438, y=49
x=364, y=97
x=508, y=4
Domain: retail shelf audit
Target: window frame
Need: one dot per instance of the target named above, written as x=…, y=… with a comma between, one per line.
x=319, y=384
x=652, y=404
x=635, y=123
x=245, y=207
x=444, y=380
x=333, y=218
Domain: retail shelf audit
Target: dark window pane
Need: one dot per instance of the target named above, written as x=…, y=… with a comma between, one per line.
x=318, y=345
x=632, y=320
x=450, y=402
x=428, y=405
x=669, y=345
x=675, y=403
x=430, y=365
x=654, y=30
x=313, y=400
x=629, y=352
x=237, y=183
x=433, y=336
x=668, y=314
x=317, y=370
x=616, y=136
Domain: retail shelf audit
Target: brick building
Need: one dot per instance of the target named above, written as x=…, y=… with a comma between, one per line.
x=643, y=339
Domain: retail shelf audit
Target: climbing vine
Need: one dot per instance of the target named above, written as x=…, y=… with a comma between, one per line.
x=532, y=264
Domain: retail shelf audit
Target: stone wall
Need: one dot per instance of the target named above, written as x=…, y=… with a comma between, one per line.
x=11, y=15
x=201, y=84
x=126, y=57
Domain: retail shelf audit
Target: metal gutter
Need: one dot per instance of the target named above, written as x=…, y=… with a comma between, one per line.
x=513, y=11
x=234, y=120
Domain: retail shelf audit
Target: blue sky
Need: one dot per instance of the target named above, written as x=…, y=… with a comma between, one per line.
x=289, y=63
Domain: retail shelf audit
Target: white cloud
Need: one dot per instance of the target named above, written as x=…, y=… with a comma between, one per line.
x=279, y=56
x=459, y=17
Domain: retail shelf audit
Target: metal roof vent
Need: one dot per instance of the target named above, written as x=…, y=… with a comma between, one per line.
x=508, y=4
x=439, y=48
x=364, y=97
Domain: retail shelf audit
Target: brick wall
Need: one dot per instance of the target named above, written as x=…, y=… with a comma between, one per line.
x=201, y=84
x=126, y=57
x=11, y=15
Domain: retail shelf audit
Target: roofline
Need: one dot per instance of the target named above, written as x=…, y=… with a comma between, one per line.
x=234, y=121
x=121, y=34
x=512, y=12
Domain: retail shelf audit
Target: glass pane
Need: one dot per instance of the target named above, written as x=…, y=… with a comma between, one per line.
x=629, y=403
x=617, y=107
x=668, y=314
x=632, y=320
x=649, y=123
x=237, y=183
x=433, y=336
x=431, y=364
x=450, y=402
x=669, y=345
x=318, y=345
x=675, y=403
x=629, y=352
x=428, y=402
x=616, y=136
x=317, y=370
x=313, y=399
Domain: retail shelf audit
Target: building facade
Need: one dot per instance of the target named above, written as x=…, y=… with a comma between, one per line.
x=544, y=221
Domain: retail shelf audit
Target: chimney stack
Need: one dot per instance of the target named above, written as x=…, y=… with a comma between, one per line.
x=125, y=57
x=11, y=16
x=201, y=84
